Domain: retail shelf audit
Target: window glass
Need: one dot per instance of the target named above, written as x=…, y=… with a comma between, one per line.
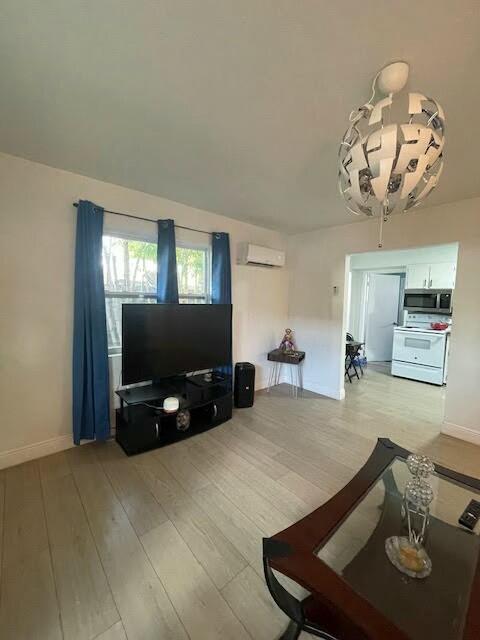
x=130, y=276
x=193, y=275
x=129, y=266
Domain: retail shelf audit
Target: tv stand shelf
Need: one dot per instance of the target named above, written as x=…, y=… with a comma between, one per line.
x=142, y=424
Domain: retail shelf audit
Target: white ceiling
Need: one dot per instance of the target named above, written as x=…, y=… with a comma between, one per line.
x=234, y=106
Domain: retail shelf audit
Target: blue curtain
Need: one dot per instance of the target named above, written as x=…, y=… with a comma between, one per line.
x=221, y=269
x=91, y=394
x=167, y=282
x=221, y=278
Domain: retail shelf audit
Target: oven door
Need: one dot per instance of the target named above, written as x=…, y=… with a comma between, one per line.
x=419, y=348
x=418, y=300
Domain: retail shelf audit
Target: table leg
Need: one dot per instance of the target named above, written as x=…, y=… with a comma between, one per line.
x=292, y=390
x=270, y=377
x=279, y=373
x=292, y=632
x=360, y=365
x=352, y=364
x=347, y=369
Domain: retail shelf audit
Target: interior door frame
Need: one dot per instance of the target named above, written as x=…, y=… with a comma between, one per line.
x=362, y=325
x=346, y=303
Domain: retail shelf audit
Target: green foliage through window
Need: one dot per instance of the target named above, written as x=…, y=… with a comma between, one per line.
x=129, y=265
x=191, y=270
x=130, y=276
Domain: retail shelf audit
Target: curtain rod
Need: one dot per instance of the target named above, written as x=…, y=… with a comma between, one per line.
x=128, y=215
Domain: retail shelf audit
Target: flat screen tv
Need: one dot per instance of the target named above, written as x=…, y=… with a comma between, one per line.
x=164, y=340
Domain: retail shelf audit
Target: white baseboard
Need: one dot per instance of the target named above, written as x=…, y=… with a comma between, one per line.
x=261, y=384
x=462, y=433
x=336, y=394
x=32, y=451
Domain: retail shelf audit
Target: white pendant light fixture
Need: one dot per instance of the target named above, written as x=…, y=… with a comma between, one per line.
x=384, y=166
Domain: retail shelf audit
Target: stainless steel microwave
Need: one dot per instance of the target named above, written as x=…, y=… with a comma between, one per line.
x=428, y=301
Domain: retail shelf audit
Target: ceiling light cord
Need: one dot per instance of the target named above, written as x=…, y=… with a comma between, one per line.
x=354, y=114
x=374, y=87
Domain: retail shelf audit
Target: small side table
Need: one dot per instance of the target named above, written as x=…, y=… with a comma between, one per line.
x=295, y=360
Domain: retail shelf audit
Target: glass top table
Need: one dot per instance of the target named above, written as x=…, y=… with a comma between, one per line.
x=434, y=607
x=338, y=554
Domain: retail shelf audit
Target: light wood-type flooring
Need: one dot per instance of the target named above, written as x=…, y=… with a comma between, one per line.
x=167, y=545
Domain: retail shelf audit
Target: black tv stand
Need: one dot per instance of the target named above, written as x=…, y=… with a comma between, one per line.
x=142, y=424
x=206, y=380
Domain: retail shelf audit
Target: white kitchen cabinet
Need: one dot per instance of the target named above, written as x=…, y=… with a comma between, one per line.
x=418, y=276
x=440, y=275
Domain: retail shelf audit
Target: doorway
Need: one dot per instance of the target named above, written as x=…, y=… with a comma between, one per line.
x=398, y=343
x=375, y=308
x=381, y=309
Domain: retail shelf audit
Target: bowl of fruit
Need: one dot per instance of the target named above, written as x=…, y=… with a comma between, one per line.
x=439, y=326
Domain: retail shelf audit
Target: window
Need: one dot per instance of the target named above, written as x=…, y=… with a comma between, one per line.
x=193, y=270
x=130, y=275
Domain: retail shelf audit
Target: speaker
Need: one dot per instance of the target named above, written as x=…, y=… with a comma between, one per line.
x=244, y=386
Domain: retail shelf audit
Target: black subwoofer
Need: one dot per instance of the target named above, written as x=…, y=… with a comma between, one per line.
x=244, y=386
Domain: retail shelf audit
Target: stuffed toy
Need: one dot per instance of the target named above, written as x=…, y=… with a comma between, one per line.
x=288, y=342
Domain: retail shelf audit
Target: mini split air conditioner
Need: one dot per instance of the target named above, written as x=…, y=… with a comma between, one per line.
x=260, y=256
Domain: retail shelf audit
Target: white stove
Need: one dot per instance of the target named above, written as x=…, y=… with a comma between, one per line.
x=425, y=329
x=420, y=352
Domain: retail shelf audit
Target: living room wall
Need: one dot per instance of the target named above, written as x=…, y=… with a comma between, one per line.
x=37, y=266
x=317, y=299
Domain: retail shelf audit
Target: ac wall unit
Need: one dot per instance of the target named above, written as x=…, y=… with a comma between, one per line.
x=260, y=256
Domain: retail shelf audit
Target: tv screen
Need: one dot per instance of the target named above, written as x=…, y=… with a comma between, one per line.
x=163, y=340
